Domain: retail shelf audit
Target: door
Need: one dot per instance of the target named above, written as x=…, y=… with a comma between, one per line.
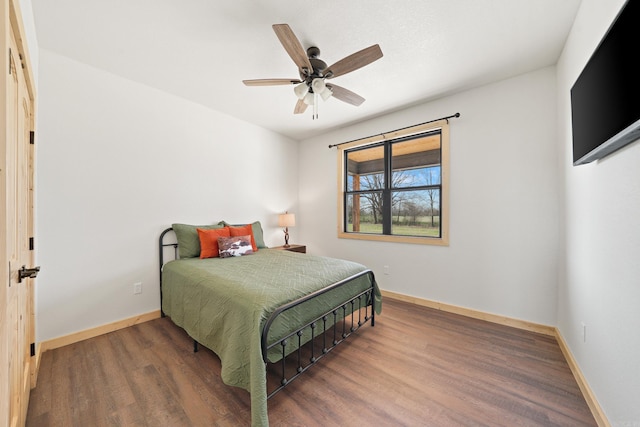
x=17, y=173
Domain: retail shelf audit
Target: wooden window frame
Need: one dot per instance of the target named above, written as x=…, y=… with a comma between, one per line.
x=443, y=127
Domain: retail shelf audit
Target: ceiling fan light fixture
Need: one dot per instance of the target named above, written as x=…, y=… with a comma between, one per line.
x=326, y=94
x=319, y=87
x=309, y=98
x=301, y=90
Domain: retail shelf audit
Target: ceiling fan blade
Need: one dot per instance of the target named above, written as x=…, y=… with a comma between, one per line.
x=271, y=82
x=300, y=107
x=345, y=95
x=354, y=61
x=293, y=47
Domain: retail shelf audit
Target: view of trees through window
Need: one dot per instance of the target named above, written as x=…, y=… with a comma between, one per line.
x=395, y=187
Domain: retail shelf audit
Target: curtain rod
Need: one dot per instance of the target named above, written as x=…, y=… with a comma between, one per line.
x=382, y=134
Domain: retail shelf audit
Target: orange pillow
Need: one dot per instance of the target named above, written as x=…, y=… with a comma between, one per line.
x=244, y=230
x=209, y=241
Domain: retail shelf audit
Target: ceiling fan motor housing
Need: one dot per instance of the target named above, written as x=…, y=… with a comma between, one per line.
x=318, y=65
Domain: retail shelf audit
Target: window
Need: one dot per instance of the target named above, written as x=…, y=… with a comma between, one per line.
x=396, y=189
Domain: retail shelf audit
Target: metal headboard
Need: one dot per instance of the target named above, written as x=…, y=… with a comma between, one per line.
x=161, y=246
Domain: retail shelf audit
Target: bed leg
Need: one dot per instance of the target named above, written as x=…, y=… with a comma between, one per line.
x=195, y=346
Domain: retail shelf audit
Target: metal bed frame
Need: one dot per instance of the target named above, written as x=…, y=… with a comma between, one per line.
x=321, y=334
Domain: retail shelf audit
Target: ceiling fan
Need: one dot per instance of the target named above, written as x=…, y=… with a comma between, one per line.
x=313, y=72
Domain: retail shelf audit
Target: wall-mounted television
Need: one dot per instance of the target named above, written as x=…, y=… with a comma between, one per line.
x=605, y=99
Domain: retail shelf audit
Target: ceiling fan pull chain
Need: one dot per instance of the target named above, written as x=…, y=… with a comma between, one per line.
x=315, y=106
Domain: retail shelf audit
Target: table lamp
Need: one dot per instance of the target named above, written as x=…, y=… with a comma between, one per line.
x=286, y=220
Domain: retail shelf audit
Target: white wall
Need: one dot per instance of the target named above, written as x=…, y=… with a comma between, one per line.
x=502, y=256
x=117, y=163
x=599, y=283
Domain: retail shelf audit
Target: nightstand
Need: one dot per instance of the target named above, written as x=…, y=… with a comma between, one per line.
x=293, y=248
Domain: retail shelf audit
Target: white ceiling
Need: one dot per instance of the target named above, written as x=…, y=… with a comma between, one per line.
x=203, y=49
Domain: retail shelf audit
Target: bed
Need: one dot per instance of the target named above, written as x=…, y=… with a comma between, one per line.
x=275, y=308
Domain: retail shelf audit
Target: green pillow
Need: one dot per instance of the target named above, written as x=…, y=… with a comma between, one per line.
x=188, y=240
x=256, y=228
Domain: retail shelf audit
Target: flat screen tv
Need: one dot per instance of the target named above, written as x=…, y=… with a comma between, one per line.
x=605, y=99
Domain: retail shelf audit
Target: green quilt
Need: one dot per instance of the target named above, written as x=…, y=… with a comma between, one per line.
x=223, y=304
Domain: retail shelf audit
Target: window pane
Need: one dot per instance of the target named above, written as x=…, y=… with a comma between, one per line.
x=417, y=177
x=365, y=169
x=364, y=213
x=416, y=213
x=416, y=162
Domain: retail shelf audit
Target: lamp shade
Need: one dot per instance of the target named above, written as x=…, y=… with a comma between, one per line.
x=301, y=90
x=318, y=85
x=308, y=98
x=287, y=220
x=326, y=94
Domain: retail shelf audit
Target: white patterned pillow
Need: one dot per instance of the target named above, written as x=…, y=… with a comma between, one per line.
x=234, y=246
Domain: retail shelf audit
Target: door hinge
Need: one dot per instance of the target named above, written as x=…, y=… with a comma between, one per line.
x=33, y=349
x=32, y=137
x=31, y=243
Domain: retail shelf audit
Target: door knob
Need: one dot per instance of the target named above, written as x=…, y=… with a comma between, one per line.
x=27, y=273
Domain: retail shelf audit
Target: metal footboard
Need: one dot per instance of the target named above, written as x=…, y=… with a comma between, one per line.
x=321, y=334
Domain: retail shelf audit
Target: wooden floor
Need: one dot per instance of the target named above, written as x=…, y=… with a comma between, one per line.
x=416, y=367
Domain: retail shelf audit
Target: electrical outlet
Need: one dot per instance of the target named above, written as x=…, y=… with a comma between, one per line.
x=385, y=269
x=137, y=288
